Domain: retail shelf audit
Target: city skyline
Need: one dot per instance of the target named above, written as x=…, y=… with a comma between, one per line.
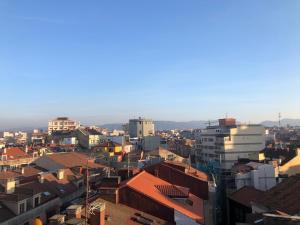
x=105, y=63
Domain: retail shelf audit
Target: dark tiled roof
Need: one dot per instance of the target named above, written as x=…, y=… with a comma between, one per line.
x=172, y=191
x=284, y=154
x=5, y=213
x=246, y=195
x=283, y=197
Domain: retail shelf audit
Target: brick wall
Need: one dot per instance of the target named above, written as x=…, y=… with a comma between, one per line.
x=136, y=200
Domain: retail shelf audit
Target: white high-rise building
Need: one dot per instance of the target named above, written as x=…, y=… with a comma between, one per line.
x=62, y=124
x=141, y=128
x=228, y=142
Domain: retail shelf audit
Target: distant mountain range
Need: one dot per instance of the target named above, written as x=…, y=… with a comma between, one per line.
x=165, y=125
x=284, y=122
x=171, y=125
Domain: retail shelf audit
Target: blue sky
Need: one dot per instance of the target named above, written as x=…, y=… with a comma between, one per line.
x=106, y=61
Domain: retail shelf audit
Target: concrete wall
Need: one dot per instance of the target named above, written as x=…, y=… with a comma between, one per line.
x=151, y=143
x=141, y=127
x=263, y=178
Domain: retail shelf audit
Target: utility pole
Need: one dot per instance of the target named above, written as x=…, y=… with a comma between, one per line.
x=87, y=192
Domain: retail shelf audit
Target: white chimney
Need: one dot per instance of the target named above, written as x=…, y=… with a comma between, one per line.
x=4, y=151
x=60, y=174
x=22, y=170
x=9, y=185
x=41, y=178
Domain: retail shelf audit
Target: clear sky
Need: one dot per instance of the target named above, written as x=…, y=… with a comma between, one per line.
x=106, y=61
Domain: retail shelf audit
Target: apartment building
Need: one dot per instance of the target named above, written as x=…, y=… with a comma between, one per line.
x=62, y=124
x=88, y=138
x=224, y=144
x=141, y=127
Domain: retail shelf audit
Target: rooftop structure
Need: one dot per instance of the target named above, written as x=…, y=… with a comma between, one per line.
x=62, y=124
x=224, y=144
x=141, y=127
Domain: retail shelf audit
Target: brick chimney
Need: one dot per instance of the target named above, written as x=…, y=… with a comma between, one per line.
x=97, y=216
x=74, y=211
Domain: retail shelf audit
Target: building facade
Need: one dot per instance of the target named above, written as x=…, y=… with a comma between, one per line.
x=62, y=124
x=141, y=127
x=226, y=143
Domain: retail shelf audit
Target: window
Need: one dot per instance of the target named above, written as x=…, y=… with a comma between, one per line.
x=21, y=208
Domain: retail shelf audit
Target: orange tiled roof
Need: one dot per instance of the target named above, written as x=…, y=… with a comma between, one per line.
x=8, y=175
x=73, y=159
x=15, y=153
x=147, y=184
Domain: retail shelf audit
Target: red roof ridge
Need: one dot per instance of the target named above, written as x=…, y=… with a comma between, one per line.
x=123, y=184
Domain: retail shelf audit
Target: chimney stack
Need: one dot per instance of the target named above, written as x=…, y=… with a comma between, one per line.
x=41, y=177
x=57, y=220
x=74, y=211
x=97, y=216
x=9, y=185
x=60, y=174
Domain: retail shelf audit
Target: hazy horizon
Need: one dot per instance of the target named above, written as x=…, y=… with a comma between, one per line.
x=106, y=62
x=23, y=124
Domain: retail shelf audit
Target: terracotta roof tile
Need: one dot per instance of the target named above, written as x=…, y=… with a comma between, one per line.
x=146, y=184
x=15, y=153
x=73, y=159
